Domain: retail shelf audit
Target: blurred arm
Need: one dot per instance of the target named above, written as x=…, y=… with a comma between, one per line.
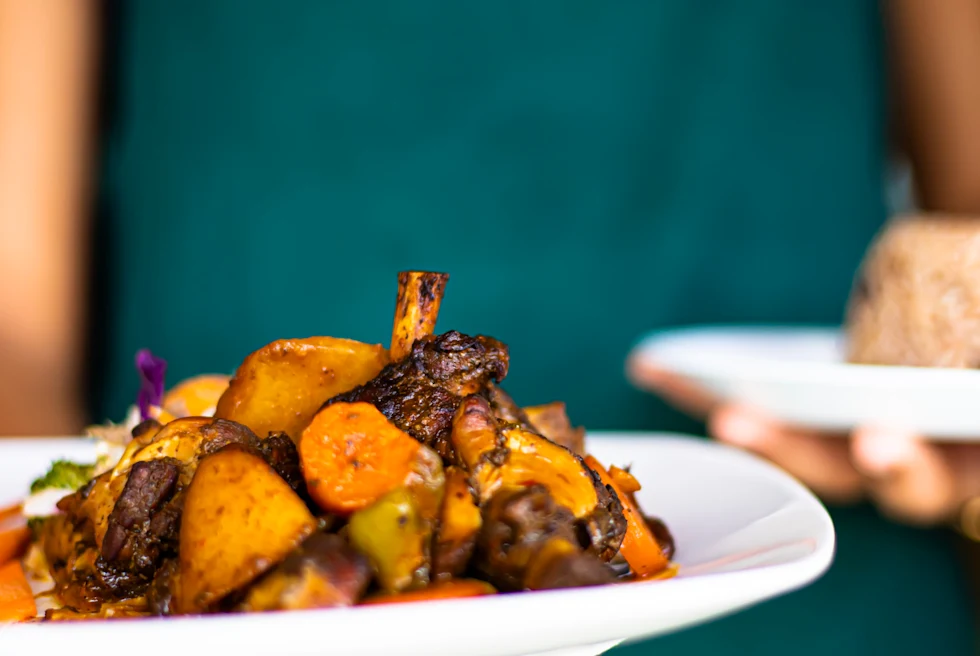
x=47, y=50
x=935, y=60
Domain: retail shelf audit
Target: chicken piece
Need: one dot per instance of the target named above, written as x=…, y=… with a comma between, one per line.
x=420, y=394
x=69, y=548
x=552, y=421
x=528, y=541
x=605, y=526
x=561, y=564
x=505, y=409
x=416, y=309
x=279, y=450
x=323, y=572
x=513, y=457
x=549, y=420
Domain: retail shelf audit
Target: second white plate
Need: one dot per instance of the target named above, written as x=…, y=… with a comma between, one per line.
x=798, y=375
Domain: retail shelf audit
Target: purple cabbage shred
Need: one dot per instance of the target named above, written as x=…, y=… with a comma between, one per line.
x=152, y=371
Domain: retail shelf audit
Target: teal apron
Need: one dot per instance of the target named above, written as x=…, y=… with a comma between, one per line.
x=585, y=171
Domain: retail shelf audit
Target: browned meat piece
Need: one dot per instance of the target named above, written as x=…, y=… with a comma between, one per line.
x=663, y=535
x=323, y=572
x=560, y=564
x=280, y=452
x=144, y=427
x=222, y=432
x=504, y=456
x=421, y=393
x=277, y=449
x=133, y=539
x=505, y=409
x=605, y=527
x=159, y=596
x=528, y=540
x=549, y=420
x=516, y=523
x=552, y=421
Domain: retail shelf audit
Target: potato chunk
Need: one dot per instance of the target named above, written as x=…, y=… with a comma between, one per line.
x=282, y=385
x=240, y=519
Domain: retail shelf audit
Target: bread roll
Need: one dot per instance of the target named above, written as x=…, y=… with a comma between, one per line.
x=916, y=299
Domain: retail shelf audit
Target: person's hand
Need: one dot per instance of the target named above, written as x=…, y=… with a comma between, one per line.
x=910, y=479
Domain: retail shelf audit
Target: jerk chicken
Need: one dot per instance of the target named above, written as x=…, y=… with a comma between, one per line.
x=420, y=394
x=335, y=473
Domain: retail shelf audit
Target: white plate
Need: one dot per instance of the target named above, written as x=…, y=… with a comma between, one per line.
x=798, y=375
x=745, y=532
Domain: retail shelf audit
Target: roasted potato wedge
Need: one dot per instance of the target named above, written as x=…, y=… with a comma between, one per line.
x=459, y=524
x=282, y=385
x=240, y=519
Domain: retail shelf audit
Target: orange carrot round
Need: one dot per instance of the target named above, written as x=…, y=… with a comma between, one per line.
x=448, y=590
x=16, y=599
x=640, y=547
x=352, y=456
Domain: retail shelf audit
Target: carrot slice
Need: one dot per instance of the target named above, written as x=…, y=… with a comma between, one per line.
x=352, y=456
x=13, y=543
x=449, y=590
x=16, y=599
x=9, y=512
x=640, y=547
x=625, y=480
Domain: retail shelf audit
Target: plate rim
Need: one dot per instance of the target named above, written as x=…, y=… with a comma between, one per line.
x=837, y=374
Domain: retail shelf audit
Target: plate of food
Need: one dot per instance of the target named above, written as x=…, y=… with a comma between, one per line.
x=339, y=497
x=906, y=356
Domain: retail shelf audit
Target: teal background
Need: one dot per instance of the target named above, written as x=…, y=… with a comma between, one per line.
x=585, y=171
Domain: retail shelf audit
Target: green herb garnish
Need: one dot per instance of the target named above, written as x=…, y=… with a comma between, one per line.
x=64, y=475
